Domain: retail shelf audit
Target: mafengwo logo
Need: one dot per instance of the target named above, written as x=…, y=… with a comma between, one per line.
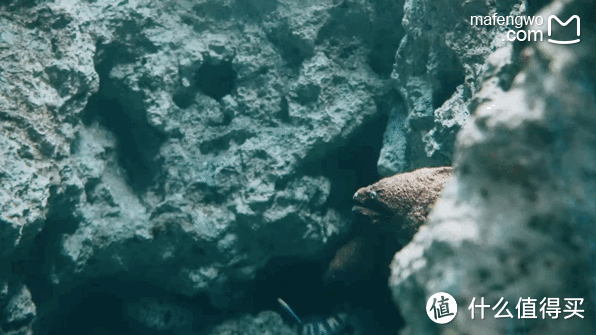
x=564, y=24
x=532, y=35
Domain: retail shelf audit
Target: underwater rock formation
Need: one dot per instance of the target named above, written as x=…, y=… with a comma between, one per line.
x=517, y=219
x=154, y=149
x=264, y=323
x=438, y=68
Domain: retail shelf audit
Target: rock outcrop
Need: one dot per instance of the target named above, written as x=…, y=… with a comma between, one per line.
x=517, y=220
x=158, y=156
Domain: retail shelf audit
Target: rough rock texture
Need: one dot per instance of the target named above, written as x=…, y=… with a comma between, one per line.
x=267, y=322
x=188, y=162
x=517, y=220
x=175, y=142
x=171, y=149
x=46, y=77
x=211, y=125
x=437, y=70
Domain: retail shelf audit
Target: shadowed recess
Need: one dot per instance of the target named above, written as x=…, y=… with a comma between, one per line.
x=448, y=77
x=216, y=80
x=184, y=98
x=382, y=55
x=101, y=306
x=299, y=283
x=137, y=142
x=94, y=313
x=353, y=165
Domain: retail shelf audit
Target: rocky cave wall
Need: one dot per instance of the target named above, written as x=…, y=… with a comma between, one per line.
x=517, y=221
x=170, y=165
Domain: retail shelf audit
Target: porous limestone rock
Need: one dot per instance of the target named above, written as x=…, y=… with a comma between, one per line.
x=190, y=157
x=183, y=144
x=266, y=322
x=517, y=219
x=437, y=70
x=202, y=145
x=18, y=312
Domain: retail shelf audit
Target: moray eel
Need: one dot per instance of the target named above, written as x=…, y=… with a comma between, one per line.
x=352, y=262
x=337, y=324
x=397, y=206
x=401, y=203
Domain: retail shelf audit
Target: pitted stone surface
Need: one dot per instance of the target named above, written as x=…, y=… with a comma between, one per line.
x=183, y=144
x=516, y=220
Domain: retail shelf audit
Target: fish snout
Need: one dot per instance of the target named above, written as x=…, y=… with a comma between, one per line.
x=365, y=194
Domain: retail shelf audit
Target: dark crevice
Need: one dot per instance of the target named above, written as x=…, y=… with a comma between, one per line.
x=184, y=99
x=284, y=110
x=72, y=311
x=215, y=80
x=353, y=165
x=222, y=143
x=137, y=142
x=100, y=306
x=299, y=283
x=447, y=78
x=292, y=48
x=118, y=110
x=41, y=262
x=295, y=55
x=383, y=49
x=86, y=312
